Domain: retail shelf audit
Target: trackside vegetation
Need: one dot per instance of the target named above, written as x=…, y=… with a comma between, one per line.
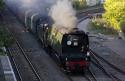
x=1, y=4
x=79, y=4
x=115, y=14
x=5, y=38
x=113, y=20
x=99, y=25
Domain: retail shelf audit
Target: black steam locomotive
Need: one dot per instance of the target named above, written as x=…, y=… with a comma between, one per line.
x=70, y=45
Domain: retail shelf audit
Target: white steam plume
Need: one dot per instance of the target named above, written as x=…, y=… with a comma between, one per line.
x=34, y=5
x=63, y=14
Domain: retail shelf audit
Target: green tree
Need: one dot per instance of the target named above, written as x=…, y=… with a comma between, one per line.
x=5, y=38
x=79, y=4
x=1, y=4
x=115, y=13
x=122, y=25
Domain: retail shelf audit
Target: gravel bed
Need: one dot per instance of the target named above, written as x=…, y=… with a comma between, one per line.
x=108, y=54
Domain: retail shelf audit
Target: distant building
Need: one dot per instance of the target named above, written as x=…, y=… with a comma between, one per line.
x=92, y=2
x=102, y=1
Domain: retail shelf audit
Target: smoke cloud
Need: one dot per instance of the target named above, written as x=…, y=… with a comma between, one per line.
x=61, y=11
x=63, y=14
x=34, y=5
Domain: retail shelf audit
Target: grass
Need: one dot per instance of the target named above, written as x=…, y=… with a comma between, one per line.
x=100, y=26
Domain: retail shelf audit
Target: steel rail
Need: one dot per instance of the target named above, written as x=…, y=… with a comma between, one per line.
x=89, y=79
x=9, y=52
x=89, y=9
x=105, y=71
x=85, y=16
x=26, y=57
x=85, y=13
x=92, y=75
x=61, y=69
x=114, y=78
x=28, y=60
x=110, y=64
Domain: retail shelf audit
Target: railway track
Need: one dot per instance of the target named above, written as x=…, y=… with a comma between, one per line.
x=106, y=67
x=85, y=13
x=91, y=76
x=14, y=65
x=109, y=74
x=20, y=50
x=88, y=76
x=73, y=77
x=113, y=66
x=91, y=8
x=82, y=15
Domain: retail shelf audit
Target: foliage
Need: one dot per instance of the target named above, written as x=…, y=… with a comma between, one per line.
x=79, y=4
x=101, y=26
x=2, y=52
x=5, y=38
x=115, y=13
x=122, y=25
x=1, y=4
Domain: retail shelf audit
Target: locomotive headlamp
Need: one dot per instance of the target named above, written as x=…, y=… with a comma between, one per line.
x=45, y=24
x=88, y=54
x=86, y=58
x=47, y=28
x=66, y=59
x=75, y=43
x=69, y=42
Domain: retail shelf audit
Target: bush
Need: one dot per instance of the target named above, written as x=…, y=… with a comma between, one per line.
x=1, y=4
x=122, y=26
x=79, y=4
x=100, y=26
x=5, y=38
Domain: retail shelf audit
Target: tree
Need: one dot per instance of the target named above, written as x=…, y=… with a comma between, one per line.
x=5, y=38
x=1, y=8
x=1, y=4
x=115, y=13
x=79, y=4
x=122, y=25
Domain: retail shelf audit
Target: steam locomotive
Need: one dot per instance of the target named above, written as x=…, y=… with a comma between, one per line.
x=70, y=45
